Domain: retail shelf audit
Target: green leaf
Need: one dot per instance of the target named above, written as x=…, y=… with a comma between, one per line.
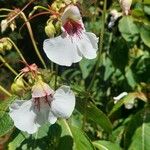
x=128, y=28
x=137, y=134
x=147, y=9
x=5, y=104
x=94, y=114
x=130, y=77
x=109, y=69
x=126, y=99
x=80, y=140
x=106, y=145
x=17, y=140
x=6, y=124
x=86, y=67
x=145, y=36
x=146, y=2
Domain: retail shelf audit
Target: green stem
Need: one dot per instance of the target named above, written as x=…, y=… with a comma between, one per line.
x=3, y=16
x=17, y=49
x=5, y=91
x=32, y=39
x=101, y=40
x=5, y=9
x=8, y=66
x=41, y=7
x=56, y=76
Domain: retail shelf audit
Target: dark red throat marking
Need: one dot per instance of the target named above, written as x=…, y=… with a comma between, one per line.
x=72, y=27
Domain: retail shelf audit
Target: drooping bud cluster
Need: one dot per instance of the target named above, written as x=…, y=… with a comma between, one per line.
x=9, y=21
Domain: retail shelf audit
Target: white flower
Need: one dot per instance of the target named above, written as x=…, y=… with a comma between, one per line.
x=128, y=104
x=125, y=4
x=114, y=16
x=45, y=106
x=74, y=43
x=119, y=97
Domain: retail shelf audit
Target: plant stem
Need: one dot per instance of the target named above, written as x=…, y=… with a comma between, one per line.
x=56, y=76
x=3, y=16
x=17, y=49
x=5, y=91
x=32, y=39
x=101, y=40
x=5, y=9
x=8, y=66
x=41, y=7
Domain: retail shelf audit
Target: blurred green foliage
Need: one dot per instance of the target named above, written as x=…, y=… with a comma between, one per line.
x=97, y=123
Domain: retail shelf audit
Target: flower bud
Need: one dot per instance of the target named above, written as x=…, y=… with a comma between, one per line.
x=13, y=25
x=50, y=29
x=7, y=45
x=4, y=25
x=18, y=86
x=125, y=5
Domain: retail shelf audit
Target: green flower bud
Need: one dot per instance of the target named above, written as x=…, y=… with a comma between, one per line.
x=58, y=27
x=50, y=29
x=18, y=86
x=7, y=45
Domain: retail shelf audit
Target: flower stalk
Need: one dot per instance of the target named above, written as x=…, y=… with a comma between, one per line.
x=17, y=49
x=7, y=65
x=32, y=39
x=101, y=40
x=5, y=91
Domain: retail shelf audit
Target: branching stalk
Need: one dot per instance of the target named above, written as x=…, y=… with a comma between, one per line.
x=32, y=39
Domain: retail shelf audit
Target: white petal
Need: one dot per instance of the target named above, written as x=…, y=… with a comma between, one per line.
x=42, y=113
x=120, y=96
x=23, y=116
x=61, y=50
x=129, y=105
x=71, y=12
x=52, y=118
x=87, y=45
x=63, y=103
x=93, y=39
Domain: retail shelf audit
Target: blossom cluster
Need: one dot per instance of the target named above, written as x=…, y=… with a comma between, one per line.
x=46, y=105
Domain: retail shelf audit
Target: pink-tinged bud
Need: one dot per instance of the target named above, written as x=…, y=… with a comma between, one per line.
x=41, y=89
x=30, y=68
x=125, y=5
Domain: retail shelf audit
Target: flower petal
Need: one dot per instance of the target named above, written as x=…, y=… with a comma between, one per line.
x=23, y=116
x=120, y=96
x=87, y=45
x=63, y=103
x=52, y=118
x=71, y=12
x=62, y=51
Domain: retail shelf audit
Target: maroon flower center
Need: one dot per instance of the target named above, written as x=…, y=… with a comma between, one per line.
x=38, y=101
x=73, y=28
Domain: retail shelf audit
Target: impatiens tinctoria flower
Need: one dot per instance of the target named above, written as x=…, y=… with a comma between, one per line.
x=125, y=5
x=45, y=105
x=114, y=16
x=74, y=42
